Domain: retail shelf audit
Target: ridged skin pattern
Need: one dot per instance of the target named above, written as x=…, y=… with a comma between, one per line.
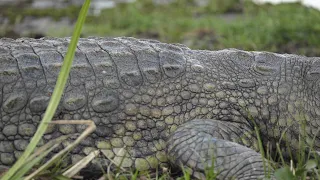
x=157, y=104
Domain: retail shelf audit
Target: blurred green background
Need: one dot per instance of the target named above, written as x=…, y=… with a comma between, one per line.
x=212, y=25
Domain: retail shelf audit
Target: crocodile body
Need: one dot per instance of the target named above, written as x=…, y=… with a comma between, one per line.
x=164, y=104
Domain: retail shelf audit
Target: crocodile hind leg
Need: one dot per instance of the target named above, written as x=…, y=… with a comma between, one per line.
x=200, y=144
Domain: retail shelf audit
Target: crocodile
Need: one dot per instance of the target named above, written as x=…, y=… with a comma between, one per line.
x=161, y=105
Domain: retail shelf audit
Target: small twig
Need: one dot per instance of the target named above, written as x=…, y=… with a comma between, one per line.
x=115, y=163
x=81, y=164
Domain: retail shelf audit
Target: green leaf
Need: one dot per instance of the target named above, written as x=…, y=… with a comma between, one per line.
x=284, y=174
x=300, y=172
x=311, y=164
x=24, y=169
x=54, y=100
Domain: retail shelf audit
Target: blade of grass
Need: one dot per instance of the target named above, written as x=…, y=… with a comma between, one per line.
x=259, y=141
x=48, y=145
x=302, y=144
x=261, y=148
x=81, y=164
x=31, y=163
x=57, y=93
x=135, y=175
x=118, y=165
x=280, y=154
x=91, y=127
x=186, y=174
x=313, y=142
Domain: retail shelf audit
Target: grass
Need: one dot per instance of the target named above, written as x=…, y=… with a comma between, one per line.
x=14, y=16
x=288, y=28
x=306, y=167
x=22, y=165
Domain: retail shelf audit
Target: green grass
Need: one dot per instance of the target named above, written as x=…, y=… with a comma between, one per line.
x=306, y=163
x=22, y=166
x=14, y=15
x=301, y=165
x=288, y=28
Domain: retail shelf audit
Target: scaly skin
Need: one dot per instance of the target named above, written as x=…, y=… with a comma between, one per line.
x=164, y=104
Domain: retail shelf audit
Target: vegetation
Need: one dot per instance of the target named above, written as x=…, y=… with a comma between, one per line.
x=27, y=160
x=287, y=28
x=14, y=15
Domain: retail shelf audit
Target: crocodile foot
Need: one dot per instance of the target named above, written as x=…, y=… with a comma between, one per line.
x=201, y=146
